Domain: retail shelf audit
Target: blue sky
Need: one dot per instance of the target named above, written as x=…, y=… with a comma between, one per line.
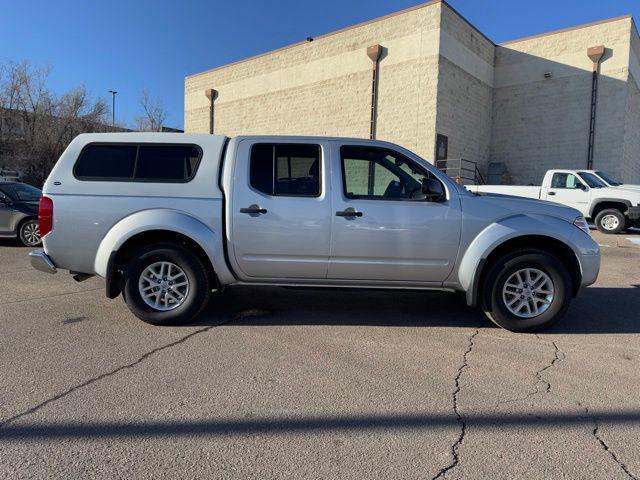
x=135, y=44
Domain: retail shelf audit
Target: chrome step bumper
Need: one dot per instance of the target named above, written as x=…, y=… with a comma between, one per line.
x=41, y=261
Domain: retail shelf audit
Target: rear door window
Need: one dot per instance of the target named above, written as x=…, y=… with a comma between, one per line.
x=285, y=170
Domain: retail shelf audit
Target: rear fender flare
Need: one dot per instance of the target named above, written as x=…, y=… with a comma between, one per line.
x=160, y=219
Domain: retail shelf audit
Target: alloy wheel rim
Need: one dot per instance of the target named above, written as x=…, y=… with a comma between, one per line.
x=163, y=286
x=610, y=222
x=528, y=293
x=31, y=233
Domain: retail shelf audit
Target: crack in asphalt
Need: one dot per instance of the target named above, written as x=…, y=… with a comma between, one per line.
x=558, y=355
x=596, y=434
x=102, y=376
x=456, y=409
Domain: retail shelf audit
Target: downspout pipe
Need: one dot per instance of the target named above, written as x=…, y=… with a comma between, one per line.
x=211, y=94
x=595, y=54
x=374, y=52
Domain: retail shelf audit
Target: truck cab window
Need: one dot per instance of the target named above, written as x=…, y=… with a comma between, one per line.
x=380, y=174
x=565, y=180
x=285, y=170
x=591, y=180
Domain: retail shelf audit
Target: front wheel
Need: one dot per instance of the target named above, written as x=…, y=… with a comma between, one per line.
x=166, y=284
x=29, y=233
x=527, y=291
x=610, y=221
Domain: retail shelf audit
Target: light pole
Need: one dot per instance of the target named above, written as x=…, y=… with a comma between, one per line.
x=113, y=107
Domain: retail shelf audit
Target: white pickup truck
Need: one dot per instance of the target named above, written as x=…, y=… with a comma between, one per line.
x=612, y=209
x=168, y=219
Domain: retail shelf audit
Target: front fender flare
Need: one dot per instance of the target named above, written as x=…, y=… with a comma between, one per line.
x=160, y=219
x=496, y=234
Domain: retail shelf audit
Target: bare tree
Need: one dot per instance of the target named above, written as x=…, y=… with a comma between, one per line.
x=42, y=124
x=153, y=116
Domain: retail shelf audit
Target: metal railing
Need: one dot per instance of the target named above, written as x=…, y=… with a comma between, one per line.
x=462, y=170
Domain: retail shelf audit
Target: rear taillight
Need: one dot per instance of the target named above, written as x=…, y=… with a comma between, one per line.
x=45, y=216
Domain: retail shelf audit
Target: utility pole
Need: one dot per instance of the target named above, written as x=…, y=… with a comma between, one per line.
x=113, y=107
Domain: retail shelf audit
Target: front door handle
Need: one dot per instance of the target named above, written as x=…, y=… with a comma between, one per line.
x=552, y=193
x=349, y=212
x=253, y=210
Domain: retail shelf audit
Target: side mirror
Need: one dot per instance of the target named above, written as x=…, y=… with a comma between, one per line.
x=582, y=187
x=433, y=189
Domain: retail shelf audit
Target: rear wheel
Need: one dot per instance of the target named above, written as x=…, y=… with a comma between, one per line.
x=610, y=221
x=29, y=233
x=527, y=291
x=166, y=285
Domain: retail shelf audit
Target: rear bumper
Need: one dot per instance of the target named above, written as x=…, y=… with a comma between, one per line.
x=41, y=261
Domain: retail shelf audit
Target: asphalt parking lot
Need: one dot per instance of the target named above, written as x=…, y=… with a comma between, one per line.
x=277, y=383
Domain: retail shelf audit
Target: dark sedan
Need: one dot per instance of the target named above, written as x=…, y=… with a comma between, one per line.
x=19, y=212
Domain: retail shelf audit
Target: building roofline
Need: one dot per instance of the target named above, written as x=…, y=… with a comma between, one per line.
x=407, y=10
x=468, y=22
x=324, y=35
x=568, y=29
x=351, y=27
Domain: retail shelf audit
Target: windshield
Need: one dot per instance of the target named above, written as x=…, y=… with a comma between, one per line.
x=608, y=179
x=21, y=192
x=591, y=180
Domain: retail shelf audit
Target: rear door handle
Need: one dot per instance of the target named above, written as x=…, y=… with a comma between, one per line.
x=349, y=212
x=253, y=210
x=552, y=193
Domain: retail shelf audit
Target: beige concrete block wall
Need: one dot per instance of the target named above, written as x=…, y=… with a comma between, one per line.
x=324, y=87
x=465, y=93
x=630, y=167
x=543, y=123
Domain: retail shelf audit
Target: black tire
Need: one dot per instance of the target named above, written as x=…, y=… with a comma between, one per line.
x=29, y=234
x=199, y=289
x=604, y=215
x=494, y=305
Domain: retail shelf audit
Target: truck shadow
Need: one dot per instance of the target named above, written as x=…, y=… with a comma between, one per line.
x=13, y=243
x=595, y=311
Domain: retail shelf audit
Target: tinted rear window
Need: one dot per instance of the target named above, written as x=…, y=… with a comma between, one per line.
x=134, y=162
x=167, y=162
x=107, y=162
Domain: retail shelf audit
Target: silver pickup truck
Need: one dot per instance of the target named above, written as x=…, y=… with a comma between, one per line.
x=168, y=219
